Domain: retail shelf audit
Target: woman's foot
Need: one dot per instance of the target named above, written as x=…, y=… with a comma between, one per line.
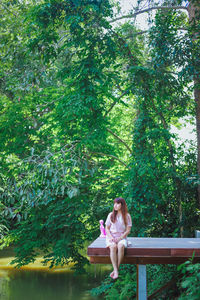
x=112, y=274
x=115, y=275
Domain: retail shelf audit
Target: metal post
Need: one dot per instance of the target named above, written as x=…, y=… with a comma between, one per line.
x=141, y=282
x=197, y=233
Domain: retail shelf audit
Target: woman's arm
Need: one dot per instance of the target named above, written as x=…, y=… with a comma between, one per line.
x=109, y=233
x=124, y=235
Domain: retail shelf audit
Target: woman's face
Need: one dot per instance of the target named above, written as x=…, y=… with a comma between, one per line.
x=117, y=206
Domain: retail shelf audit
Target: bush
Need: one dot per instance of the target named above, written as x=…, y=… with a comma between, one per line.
x=190, y=282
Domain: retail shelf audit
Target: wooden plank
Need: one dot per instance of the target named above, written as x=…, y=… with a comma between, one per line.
x=149, y=246
x=165, y=242
x=142, y=260
x=153, y=243
x=185, y=252
x=149, y=250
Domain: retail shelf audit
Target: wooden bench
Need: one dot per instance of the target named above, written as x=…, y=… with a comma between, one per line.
x=144, y=251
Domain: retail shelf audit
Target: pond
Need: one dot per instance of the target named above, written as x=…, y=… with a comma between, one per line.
x=36, y=282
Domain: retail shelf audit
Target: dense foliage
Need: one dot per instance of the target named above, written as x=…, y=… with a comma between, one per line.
x=86, y=114
x=190, y=280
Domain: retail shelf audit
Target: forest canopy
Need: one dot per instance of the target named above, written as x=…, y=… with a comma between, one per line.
x=86, y=109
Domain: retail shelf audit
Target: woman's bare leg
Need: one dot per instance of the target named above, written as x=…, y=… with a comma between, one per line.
x=113, y=257
x=120, y=253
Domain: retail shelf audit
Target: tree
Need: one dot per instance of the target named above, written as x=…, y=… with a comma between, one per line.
x=192, y=9
x=58, y=128
x=194, y=19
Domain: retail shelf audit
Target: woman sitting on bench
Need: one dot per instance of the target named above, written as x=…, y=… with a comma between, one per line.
x=118, y=226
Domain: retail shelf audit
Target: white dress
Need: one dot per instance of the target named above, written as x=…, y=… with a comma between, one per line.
x=117, y=228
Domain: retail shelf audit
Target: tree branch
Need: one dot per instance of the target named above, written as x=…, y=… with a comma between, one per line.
x=148, y=10
x=118, y=138
x=113, y=104
x=112, y=156
x=147, y=31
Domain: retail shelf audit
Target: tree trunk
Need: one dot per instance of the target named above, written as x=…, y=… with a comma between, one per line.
x=194, y=16
x=197, y=100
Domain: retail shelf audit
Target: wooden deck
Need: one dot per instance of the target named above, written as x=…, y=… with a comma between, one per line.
x=149, y=251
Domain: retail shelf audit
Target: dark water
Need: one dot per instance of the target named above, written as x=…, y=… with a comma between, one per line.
x=44, y=285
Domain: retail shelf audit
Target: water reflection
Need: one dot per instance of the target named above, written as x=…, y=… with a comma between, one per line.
x=43, y=285
x=31, y=285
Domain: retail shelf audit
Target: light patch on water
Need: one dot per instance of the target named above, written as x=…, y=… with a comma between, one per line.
x=5, y=264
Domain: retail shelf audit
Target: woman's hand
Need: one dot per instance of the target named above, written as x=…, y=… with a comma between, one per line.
x=117, y=240
x=112, y=239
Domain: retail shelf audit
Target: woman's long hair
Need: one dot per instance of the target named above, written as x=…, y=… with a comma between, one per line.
x=124, y=210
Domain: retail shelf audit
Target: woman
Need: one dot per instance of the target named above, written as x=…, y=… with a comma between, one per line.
x=118, y=226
